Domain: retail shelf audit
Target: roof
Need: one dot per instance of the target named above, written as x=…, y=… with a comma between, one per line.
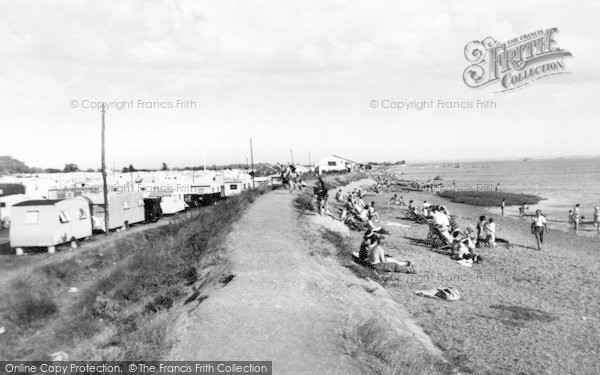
x=339, y=157
x=38, y=202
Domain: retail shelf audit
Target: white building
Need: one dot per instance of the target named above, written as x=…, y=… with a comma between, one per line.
x=334, y=163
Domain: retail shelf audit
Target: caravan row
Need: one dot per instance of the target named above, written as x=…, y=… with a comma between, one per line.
x=51, y=222
x=69, y=215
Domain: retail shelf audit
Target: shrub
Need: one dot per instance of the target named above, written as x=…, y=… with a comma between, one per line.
x=304, y=202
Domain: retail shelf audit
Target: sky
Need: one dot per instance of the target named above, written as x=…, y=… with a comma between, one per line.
x=291, y=75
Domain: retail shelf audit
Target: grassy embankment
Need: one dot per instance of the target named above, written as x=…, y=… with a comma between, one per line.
x=489, y=198
x=130, y=291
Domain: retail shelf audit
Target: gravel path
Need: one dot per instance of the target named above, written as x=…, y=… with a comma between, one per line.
x=275, y=308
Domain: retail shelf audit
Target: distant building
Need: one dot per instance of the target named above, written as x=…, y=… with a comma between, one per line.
x=334, y=163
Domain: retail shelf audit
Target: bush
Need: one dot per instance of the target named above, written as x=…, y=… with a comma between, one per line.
x=304, y=202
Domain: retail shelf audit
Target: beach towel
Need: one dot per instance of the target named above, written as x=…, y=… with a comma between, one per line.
x=394, y=224
x=448, y=294
x=466, y=262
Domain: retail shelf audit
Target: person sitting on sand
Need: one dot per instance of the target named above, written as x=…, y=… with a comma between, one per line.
x=410, y=206
x=401, y=201
x=425, y=208
x=360, y=204
x=462, y=245
x=538, y=226
x=380, y=263
x=490, y=230
x=394, y=199
x=481, y=232
x=366, y=246
x=373, y=215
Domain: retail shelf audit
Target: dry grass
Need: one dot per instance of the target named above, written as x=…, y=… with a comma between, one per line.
x=27, y=302
x=379, y=349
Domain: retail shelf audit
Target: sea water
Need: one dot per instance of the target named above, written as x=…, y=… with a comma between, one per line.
x=563, y=182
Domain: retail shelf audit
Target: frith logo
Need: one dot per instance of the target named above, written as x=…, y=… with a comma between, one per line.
x=515, y=63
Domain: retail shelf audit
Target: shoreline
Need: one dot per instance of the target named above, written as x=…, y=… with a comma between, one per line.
x=509, y=301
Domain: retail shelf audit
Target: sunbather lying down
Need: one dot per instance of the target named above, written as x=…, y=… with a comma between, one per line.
x=449, y=294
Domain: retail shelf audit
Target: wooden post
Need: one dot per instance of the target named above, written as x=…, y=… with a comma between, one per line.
x=252, y=161
x=103, y=162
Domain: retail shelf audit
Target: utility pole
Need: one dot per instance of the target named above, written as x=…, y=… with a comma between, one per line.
x=292, y=156
x=252, y=161
x=104, y=184
x=309, y=159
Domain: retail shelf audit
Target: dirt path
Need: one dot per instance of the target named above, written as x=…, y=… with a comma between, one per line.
x=273, y=309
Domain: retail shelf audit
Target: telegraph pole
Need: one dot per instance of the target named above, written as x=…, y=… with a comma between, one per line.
x=292, y=156
x=252, y=162
x=104, y=184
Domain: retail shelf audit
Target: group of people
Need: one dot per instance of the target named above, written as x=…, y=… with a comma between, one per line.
x=356, y=213
x=444, y=232
x=394, y=200
x=373, y=253
x=486, y=232
x=291, y=178
x=576, y=219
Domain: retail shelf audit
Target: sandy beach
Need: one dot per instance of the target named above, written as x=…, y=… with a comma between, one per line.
x=521, y=310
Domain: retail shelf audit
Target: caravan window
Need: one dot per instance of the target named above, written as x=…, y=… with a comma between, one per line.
x=331, y=163
x=64, y=218
x=31, y=217
x=233, y=187
x=82, y=214
x=126, y=205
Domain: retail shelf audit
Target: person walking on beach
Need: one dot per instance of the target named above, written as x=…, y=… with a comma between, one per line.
x=597, y=219
x=538, y=227
x=502, y=205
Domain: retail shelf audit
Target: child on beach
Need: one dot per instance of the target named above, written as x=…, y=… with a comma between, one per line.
x=490, y=229
x=481, y=232
x=576, y=217
x=523, y=209
x=538, y=226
